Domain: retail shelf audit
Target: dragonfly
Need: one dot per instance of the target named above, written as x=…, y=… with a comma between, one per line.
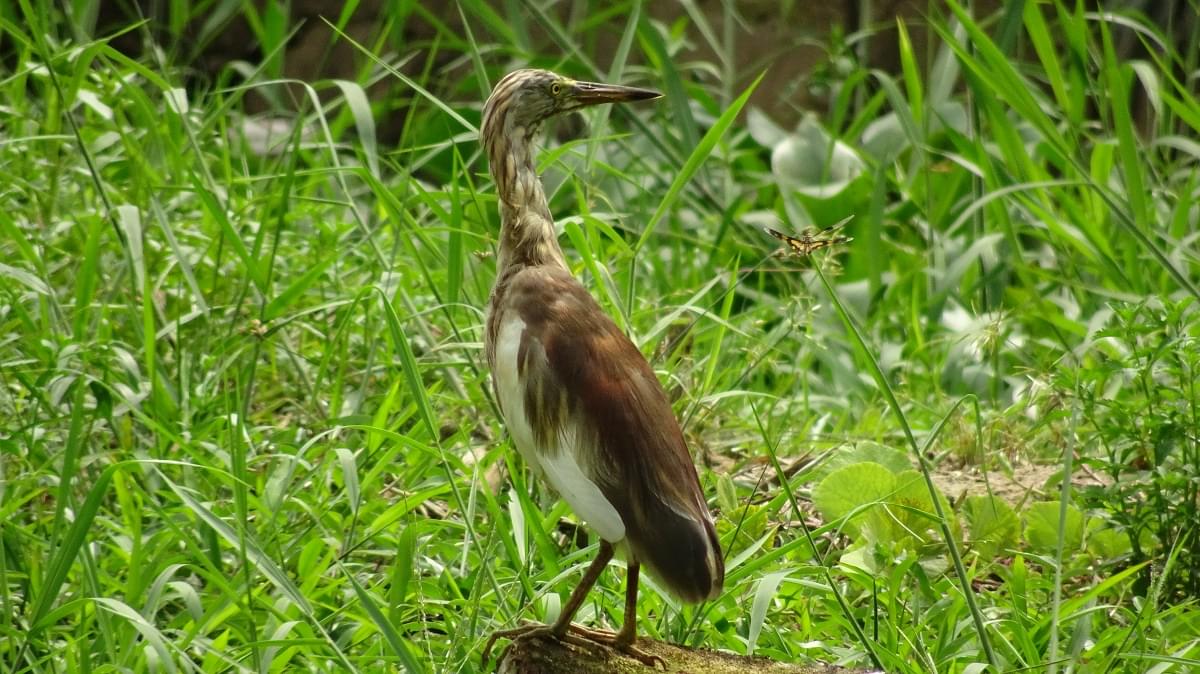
x=811, y=241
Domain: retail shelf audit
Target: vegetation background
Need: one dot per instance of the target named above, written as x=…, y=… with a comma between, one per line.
x=245, y=423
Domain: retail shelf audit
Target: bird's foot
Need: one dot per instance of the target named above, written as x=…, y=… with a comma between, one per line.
x=577, y=635
x=533, y=630
x=620, y=642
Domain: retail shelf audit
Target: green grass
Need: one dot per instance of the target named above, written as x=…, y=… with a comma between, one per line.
x=246, y=423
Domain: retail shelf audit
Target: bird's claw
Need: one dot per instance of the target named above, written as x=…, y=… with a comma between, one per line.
x=624, y=645
x=514, y=634
x=577, y=635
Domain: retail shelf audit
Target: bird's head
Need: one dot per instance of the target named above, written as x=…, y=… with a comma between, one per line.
x=526, y=98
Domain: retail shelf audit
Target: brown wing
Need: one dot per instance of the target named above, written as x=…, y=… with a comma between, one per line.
x=589, y=387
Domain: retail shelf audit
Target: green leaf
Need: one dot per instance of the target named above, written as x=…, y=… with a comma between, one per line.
x=993, y=525
x=914, y=514
x=751, y=523
x=763, y=595
x=25, y=278
x=408, y=365
x=395, y=642
x=912, y=73
x=380, y=418
x=257, y=557
x=130, y=220
x=442, y=105
x=402, y=569
x=726, y=493
x=217, y=212
x=68, y=548
x=148, y=631
x=895, y=460
x=862, y=556
x=707, y=143
x=763, y=129
x=1042, y=527
x=349, y=476
x=290, y=294
x=856, y=492
x=1107, y=543
x=364, y=120
x=814, y=164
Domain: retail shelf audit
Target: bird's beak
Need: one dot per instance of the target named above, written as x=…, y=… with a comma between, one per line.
x=593, y=93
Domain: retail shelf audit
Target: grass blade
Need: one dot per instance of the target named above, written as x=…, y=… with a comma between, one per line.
x=696, y=159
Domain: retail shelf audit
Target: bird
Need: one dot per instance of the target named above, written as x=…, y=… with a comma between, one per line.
x=579, y=400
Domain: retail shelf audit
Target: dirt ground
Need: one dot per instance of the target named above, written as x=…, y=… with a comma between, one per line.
x=1028, y=482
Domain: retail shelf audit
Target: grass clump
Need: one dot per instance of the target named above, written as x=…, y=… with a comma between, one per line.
x=247, y=425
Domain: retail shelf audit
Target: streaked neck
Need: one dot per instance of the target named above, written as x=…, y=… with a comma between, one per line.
x=527, y=235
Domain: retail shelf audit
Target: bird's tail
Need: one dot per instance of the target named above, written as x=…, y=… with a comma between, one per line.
x=681, y=551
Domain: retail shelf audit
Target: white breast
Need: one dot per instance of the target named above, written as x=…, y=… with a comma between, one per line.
x=557, y=464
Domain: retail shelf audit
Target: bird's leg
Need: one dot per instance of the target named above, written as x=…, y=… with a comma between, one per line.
x=628, y=634
x=561, y=627
x=603, y=557
x=625, y=640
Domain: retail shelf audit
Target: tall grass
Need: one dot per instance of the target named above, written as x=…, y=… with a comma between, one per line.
x=248, y=426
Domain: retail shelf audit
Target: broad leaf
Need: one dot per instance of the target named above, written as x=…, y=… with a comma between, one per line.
x=993, y=525
x=856, y=492
x=1042, y=527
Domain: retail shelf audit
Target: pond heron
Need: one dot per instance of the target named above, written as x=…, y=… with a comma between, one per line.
x=579, y=400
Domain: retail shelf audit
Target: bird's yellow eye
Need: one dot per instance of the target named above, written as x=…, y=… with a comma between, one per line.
x=556, y=89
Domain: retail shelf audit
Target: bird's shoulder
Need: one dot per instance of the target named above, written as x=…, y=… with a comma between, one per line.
x=562, y=319
x=579, y=367
x=582, y=379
